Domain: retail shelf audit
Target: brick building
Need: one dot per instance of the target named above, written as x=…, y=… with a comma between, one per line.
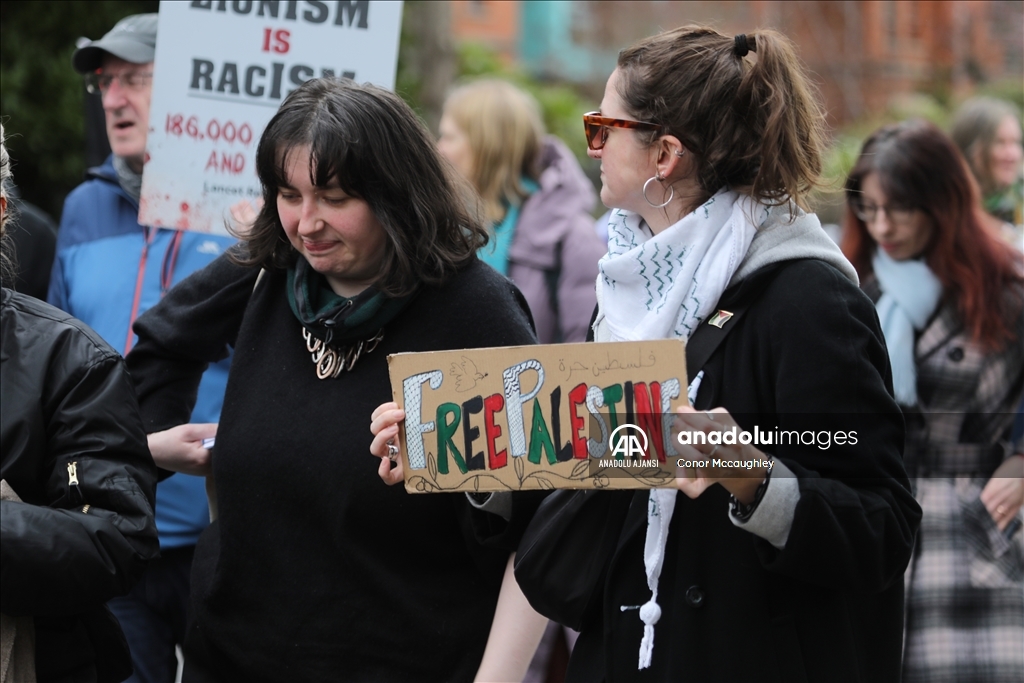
x=862, y=53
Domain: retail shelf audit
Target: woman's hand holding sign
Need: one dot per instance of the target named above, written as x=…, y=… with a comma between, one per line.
x=740, y=482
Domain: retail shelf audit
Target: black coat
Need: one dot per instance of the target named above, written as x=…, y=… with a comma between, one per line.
x=314, y=568
x=809, y=354
x=67, y=548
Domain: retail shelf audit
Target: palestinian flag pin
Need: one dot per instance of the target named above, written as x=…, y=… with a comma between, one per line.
x=721, y=318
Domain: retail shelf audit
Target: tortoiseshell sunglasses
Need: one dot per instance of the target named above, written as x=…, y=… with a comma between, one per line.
x=595, y=125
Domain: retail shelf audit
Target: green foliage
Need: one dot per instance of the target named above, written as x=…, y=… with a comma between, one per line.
x=477, y=60
x=563, y=112
x=1010, y=90
x=918, y=106
x=42, y=97
x=828, y=201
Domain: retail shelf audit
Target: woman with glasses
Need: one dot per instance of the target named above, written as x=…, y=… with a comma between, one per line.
x=784, y=559
x=948, y=293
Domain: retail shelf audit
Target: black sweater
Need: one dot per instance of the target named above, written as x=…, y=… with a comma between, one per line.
x=315, y=569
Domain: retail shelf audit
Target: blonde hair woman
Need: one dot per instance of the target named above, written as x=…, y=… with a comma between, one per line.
x=537, y=198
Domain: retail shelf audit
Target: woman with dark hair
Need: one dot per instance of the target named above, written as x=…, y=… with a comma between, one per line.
x=363, y=248
x=784, y=560
x=950, y=296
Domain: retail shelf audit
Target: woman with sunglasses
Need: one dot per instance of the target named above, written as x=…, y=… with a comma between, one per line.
x=709, y=146
x=949, y=295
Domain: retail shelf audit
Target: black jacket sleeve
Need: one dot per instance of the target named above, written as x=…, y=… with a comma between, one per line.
x=855, y=521
x=194, y=325
x=84, y=535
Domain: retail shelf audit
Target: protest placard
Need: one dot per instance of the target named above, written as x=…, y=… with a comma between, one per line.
x=221, y=72
x=540, y=417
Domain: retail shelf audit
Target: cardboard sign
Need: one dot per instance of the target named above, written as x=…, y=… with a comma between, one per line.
x=540, y=417
x=221, y=72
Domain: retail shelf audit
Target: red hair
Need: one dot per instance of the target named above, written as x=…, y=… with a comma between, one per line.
x=919, y=167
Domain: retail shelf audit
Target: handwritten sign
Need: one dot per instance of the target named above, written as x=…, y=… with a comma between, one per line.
x=221, y=72
x=539, y=417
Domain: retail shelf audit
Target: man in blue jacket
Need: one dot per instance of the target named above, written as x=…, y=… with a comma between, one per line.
x=108, y=271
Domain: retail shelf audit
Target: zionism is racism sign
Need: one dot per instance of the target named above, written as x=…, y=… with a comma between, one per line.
x=220, y=73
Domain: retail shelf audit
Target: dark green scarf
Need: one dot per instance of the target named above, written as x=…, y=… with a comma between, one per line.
x=335, y=319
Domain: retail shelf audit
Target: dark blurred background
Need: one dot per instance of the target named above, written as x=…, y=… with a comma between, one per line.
x=42, y=99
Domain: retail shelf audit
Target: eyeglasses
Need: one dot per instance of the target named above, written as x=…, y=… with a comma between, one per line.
x=869, y=212
x=596, y=128
x=100, y=82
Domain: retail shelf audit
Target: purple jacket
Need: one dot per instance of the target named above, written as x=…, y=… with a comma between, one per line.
x=555, y=250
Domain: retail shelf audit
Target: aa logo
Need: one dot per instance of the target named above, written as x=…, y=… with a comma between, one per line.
x=626, y=444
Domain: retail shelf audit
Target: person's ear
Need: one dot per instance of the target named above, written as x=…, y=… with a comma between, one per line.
x=671, y=154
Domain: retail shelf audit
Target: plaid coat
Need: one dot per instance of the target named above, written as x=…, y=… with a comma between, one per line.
x=964, y=590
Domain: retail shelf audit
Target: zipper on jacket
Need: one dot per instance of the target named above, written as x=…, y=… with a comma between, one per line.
x=74, y=491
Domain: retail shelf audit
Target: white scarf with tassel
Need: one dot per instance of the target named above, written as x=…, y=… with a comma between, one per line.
x=661, y=287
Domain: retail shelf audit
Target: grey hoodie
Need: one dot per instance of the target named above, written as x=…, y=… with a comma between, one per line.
x=779, y=240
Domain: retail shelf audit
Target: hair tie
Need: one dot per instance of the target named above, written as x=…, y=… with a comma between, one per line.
x=741, y=47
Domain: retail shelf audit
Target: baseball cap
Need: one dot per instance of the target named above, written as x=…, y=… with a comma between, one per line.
x=132, y=39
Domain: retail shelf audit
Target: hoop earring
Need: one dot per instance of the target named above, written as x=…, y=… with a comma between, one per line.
x=671, y=196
